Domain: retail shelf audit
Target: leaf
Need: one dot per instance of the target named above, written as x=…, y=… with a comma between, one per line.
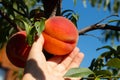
x=100, y=3
x=92, y=64
x=74, y=18
x=67, y=11
x=27, y=27
x=93, y=2
x=30, y=35
x=103, y=73
x=97, y=78
x=118, y=49
x=78, y=73
x=84, y=3
x=115, y=62
x=106, y=3
x=110, y=21
x=107, y=47
x=74, y=1
x=116, y=6
x=40, y=26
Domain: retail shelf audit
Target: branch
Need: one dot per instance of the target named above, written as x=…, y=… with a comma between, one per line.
x=99, y=26
x=10, y=7
x=5, y=16
x=52, y=7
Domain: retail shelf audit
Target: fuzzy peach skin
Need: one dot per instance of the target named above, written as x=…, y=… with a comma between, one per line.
x=17, y=49
x=60, y=34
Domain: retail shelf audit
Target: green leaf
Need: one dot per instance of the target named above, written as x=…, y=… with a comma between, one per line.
x=30, y=35
x=40, y=26
x=97, y=78
x=27, y=27
x=118, y=49
x=103, y=73
x=84, y=3
x=74, y=1
x=115, y=20
x=68, y=10
x=78, y=73
x=115, y=62
x=74, y=18
x=116, y=6
x=93, y=2
x=106, y=3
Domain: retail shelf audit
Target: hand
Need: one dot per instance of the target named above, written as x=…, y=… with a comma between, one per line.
x=37, y=68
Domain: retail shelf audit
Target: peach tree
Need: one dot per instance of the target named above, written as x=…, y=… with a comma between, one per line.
x=18, y=15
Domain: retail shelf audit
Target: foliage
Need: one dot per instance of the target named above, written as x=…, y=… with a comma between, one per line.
x=106, y=66
x=112, y=35
x=111, y=5
x=71, y=15
x=14, y=11
x=78, y=73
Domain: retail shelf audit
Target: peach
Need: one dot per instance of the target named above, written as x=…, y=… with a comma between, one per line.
x=60, y=35
x=17, y=49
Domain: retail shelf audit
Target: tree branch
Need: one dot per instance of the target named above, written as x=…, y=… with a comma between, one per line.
x=5, y=16
x=98, y=26
x=52, y=7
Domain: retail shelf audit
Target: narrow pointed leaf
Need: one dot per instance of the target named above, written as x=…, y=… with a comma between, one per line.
x=115, y=62
x=84, y=3
x=103, y=73
x=30, y=36
x=97, y=78
x=106, y=3
x=106, y=47
x=74, y=1
x=40, y=26
x=118, y=49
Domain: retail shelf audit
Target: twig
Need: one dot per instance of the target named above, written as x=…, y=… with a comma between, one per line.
x=10, y=21
x=99, y=26
x=106, y=18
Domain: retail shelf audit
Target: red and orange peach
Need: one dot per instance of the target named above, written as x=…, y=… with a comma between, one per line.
x=60, y=36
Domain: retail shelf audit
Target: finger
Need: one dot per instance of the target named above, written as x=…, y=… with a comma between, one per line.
x=38, y=44
x=54, y=61
x=36, y=51
x=62, y=59
x=67, y=60
x=76, y=61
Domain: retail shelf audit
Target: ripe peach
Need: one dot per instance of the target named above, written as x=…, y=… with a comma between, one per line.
x=17, y=49
x=60, y=35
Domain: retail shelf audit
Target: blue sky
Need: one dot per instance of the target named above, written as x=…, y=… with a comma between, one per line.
x=88, y=16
